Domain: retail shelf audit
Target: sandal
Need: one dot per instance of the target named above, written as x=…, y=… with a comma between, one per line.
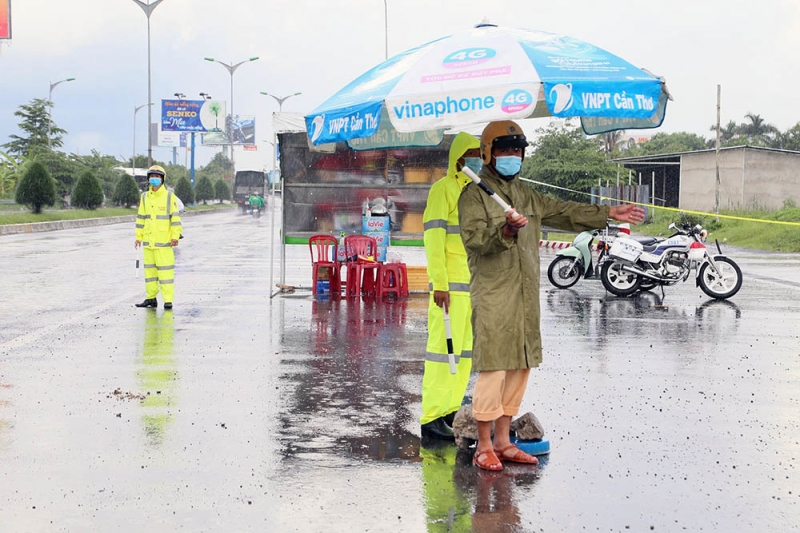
x=515, y=455
x=487, y=460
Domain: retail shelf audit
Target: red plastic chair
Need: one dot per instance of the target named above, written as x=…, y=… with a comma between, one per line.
x=358, y=249
x=323, y=256
x=392, y=279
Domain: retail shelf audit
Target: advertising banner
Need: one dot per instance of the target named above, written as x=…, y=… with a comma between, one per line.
x=204, y=116
x=169, y=139
x=243, y=129
x=5, y=19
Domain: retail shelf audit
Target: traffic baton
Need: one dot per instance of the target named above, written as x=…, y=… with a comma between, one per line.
x=449, y=333
x=488, y=190
x=137, y=264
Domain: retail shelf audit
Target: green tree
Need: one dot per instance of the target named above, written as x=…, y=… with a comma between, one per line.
x=88, y=193
x=184, y=191
x=36, y=188
x=104, y=167
x=220, y=167
x=669, y=143
x=757, y=131
x=222, y=191
x=175, y=173
x=10, y=173
x=39, y=131
x=790, y=139
x=64, y=169
x=564, y=157
x=204, y=190
x=126, y=192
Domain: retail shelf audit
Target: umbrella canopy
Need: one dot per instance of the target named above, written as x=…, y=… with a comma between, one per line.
x=492, y=73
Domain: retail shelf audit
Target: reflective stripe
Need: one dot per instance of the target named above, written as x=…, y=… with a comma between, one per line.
x=173, y=215
x=140, y=226
x=162, y=217
x=454, y=230
x=453, y=287
x=172, y=267
x=167, y=281
x=162, y=245
x=176, y=224
x=443, y=358
x=150, y=266
x=435, y=224
x=148, y=280
x=169, y=195
x=145, y=244
x=142, y=216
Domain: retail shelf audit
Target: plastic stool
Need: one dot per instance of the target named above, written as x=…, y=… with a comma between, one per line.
x=392, y=279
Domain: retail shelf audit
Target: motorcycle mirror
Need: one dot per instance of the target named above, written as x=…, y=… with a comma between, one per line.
x=672, y=226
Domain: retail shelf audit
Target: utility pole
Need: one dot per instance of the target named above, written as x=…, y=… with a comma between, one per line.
x=716, y=187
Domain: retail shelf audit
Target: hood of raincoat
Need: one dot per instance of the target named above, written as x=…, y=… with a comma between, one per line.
x=462, y=143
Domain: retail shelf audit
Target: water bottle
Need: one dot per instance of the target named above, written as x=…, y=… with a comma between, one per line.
x=340, y=254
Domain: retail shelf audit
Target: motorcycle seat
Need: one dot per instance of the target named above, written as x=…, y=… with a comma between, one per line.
x=646, y=241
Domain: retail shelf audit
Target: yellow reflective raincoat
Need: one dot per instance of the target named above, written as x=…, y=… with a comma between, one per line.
x=442, y=392
x=505, y=272
x=158, y=223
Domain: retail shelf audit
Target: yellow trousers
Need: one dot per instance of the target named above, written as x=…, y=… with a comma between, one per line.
x=159, y=270
x=442, y=392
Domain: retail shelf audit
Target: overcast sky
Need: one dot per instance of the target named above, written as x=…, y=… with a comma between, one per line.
x=317, y=46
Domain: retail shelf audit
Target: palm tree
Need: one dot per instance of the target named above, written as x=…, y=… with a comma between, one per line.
x=727, y=133
x=611, y=139
x=757, y=132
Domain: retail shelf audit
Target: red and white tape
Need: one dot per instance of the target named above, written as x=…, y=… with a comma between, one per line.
x=559, y=245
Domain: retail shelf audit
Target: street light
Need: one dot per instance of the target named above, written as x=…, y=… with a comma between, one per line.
x=148, y=10
x=133, y=159
x=50, y=107
x=231, y=69
x=180, y=95
x=280, y=100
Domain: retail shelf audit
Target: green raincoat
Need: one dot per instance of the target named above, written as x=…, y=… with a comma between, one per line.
x=505, y=272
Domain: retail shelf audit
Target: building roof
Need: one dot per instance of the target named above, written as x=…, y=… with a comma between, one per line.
x=657, y=157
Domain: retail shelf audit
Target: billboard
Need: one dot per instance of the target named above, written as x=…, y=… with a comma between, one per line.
x=203, y=116
x=5, y=19
x=243, y=129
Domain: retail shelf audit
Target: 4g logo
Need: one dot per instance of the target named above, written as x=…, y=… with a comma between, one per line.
x=516, y=100
x=468, y=57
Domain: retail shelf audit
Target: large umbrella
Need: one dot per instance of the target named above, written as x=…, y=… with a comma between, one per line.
x=492, y=73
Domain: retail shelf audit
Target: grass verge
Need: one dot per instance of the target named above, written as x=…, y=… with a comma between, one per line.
x=26, y=217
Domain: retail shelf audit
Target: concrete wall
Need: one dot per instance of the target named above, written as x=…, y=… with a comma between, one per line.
x=748, y=178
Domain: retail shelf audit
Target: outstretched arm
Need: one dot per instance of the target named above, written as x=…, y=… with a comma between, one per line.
x=626, y=213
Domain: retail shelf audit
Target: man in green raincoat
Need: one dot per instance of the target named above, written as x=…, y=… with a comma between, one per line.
x=503, y=255
x=448, y=274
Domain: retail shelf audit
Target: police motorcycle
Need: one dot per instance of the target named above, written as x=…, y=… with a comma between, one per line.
x=574, y=263
x=667, y=262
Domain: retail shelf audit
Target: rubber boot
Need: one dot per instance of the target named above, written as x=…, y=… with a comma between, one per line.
x=150, y=302
x=437, y=429
x=167, y=305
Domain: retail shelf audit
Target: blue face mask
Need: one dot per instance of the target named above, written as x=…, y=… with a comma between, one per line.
x=508, y=166
x=473, y=163
x=155, y=182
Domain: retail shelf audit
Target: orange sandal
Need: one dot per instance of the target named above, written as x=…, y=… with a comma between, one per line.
x=487, y=461
x=515, y=455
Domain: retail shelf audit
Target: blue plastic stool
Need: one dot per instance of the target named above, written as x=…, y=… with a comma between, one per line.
x=533, y=447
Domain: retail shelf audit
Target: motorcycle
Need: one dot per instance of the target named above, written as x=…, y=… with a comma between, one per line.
x=575, y=262
x=667, y=262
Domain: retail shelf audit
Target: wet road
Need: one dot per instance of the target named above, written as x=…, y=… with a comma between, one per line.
x=234, y=413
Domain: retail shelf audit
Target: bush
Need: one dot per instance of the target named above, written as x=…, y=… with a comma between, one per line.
x=222, y=191
x=184, y=191
x=88, y=193
x=126, y=192
x=204, y=190
x=36, y=188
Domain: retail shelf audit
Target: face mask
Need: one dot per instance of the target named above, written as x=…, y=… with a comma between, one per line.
x=508, y=166
x=155, y=182
x=473, y=163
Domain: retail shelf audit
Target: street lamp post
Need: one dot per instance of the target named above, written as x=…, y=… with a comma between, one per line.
x=280, y=100
x=148, y=10
x=386, y=27
x=180, y=96
x=133, y=159
x=50, y=107
x=231, y=69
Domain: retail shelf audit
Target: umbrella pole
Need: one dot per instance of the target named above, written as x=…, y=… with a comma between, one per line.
x=449, y=333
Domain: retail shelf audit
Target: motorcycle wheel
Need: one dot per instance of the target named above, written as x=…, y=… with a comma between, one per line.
x=562, y=273
x=722, y=285
x=616, y=281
